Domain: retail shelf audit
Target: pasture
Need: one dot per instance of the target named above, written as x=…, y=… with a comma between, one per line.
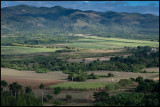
x=119, y=75
x=152, y=69
x=14, y=50
x=93, y=42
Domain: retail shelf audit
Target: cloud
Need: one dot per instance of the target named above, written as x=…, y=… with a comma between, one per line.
x=85, y=1
x=118, y=6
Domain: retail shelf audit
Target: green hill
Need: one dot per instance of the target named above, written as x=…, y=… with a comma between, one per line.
x=59, y=20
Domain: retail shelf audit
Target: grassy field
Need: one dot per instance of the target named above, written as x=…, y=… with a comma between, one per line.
x=94, y=42
x=11, y=50
x=80, y=85
x=152, y=69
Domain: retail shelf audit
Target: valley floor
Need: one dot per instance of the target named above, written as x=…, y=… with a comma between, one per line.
x=80, y=98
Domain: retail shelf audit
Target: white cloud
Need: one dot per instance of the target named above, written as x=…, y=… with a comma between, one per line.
x=85, y=1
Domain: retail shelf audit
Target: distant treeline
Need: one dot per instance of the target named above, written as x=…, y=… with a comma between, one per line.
x=142, y=57
x=36, y=39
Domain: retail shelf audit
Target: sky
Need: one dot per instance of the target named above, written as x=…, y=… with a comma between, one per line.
x=143, y=7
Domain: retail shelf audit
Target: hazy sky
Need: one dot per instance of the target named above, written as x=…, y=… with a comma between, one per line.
x=118, y=6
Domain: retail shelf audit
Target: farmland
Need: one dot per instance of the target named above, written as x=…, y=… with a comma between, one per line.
x=14, y=50
x=80, y=86
x=93, y=42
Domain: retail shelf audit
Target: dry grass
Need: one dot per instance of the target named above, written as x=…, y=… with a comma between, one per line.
x=152, y=69
x=119, y=75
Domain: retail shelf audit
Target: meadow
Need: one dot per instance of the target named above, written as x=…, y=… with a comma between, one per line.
x=12, y=50
x=93, y=42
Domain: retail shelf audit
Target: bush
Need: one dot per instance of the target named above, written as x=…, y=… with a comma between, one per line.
x=58, y=102
x=117, y=85
x=43, y=70
x=81, y=78
x=132, y=79
x=139, y=79
x=110, y=87
x=57, y=90
x=48, y=97
x=124, y=82
x=110, y=75
x=68, y=97
x=92, y=76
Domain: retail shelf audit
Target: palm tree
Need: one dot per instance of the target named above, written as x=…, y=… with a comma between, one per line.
x=28, y=89
x=15, y=87
x=42, y=87
x=4, y=84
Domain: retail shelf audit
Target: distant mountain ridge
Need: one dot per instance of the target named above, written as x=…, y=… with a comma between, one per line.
x=57, y=19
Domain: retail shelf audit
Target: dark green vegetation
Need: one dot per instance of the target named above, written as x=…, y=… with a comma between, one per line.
x=146, y=94
x=21, y=19
x=142, y=57
x=45, y=39
x=15, y=95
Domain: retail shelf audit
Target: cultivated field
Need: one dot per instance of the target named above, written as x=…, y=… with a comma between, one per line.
x=93, y=42
x=14, y=50
x=31, y=77
x=80, y=86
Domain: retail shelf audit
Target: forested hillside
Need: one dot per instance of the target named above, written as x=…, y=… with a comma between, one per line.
x=59, y=20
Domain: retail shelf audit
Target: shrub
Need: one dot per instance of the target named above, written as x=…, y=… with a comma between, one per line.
x=139, y=79
x=110, y=75
x=124, y=82
x=132, y=79
x=81, y=78
x=57, y=90
x=110, y=87
x=117, y=85
x=43, y=70
x=68, y=97
x=58, y=102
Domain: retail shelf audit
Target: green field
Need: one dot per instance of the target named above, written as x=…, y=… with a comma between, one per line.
x=94, y=42
x=80, y=85
x=13, y=50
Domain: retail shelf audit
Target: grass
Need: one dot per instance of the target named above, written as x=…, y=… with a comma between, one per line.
x=94, y=42
x=13, y=50
x=80, y=85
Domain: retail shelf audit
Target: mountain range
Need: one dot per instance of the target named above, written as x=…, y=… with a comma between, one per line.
x=24, y=19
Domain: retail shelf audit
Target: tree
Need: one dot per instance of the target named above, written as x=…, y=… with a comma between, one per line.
x=15, y=88
x=28, y=89
x=41, y=87
x=101, y=96
x=57, y=90
x=4, y=84
x=139, y=79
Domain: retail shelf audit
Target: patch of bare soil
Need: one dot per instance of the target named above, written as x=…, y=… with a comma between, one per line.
x=32, y=78
x=31, y=82
x=88, y=60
